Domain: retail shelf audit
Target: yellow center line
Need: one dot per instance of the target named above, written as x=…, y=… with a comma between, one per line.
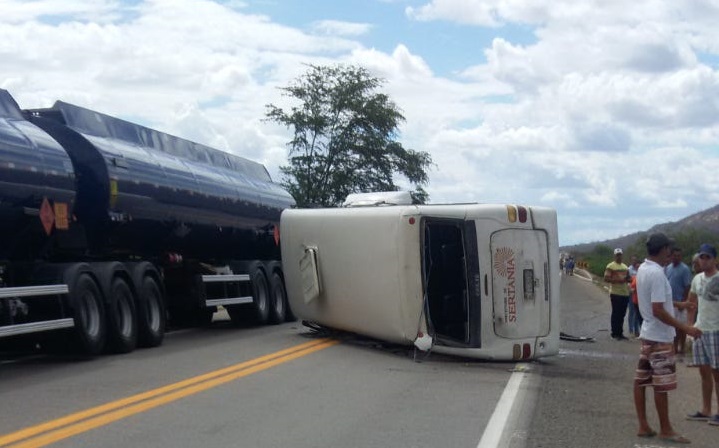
x=73, y=424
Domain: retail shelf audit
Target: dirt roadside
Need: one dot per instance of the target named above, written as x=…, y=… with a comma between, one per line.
x=585, y=393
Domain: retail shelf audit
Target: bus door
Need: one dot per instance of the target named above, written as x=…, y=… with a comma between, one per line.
x=520, y=288
x=451, y=280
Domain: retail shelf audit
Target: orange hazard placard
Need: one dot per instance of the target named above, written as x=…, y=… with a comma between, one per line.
x=61, y=221
x=47, y=216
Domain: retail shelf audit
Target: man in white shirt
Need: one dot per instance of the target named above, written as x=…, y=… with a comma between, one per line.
x=704, y=293
x=657, y=366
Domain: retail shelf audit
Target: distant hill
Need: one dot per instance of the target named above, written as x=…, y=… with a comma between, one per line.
x=705, y=220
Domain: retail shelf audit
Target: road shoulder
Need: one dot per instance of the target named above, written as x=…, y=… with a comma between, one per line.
x=584, y=395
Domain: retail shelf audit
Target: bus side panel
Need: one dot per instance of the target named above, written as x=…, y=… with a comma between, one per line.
x=365, y=284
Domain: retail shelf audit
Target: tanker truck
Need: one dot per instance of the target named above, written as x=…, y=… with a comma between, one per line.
x=110, y=231
x=472, y=280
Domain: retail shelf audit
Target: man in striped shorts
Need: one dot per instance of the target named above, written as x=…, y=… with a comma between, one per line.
x=656, y=366
x=705, y=293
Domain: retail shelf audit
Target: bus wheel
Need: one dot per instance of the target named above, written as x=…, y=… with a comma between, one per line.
x=88, y=314
x=121, y=317
x=278, y=299
x=151, y=318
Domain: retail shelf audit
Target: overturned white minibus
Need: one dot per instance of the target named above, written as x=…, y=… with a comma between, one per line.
x=475, y=280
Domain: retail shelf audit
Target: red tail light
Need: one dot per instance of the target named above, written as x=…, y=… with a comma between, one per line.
x=522, y=213
x=526, y=351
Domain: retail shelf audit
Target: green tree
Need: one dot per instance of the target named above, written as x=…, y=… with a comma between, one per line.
x=345, y=138
x=598, y=259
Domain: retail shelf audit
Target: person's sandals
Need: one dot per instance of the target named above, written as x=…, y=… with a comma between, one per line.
x=675, y=438
x=650, y=433
x=714, y=420
x=698, y=417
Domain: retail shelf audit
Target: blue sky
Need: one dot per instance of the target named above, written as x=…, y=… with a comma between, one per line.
x=448, y=47
x=605, y=110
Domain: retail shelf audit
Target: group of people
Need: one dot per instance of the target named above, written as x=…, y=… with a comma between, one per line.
x=567, y=265
x=667, y=304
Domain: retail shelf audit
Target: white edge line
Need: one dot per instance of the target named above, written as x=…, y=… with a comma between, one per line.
x=584, y=275
x=495, y=427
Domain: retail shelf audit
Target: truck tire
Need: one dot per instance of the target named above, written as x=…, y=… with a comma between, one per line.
x=121, y=317
x=289, y=315
x=257, y=312
x=151, y=318
x=88, y=314
x=278, y=298
x=260, y=294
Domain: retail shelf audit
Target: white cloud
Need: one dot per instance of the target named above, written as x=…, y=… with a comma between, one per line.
x=195, y=126
x=14, y=11
x=609, y=114
x=476, y=12
x=604, y=137
x=401, y=64
x=339, y=28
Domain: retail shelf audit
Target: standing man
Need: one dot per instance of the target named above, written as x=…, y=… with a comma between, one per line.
x=617, y=275
x=696, y=267
x=633, y=265
x=705, y=294
x=635, y=317
x=570, y=266
x=656, y=366
x=680, y=278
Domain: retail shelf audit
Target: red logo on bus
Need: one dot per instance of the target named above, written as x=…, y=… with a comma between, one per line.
x=504, y=266
x=503, y=261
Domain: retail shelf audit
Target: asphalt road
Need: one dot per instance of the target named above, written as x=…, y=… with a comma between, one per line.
x=355, y=393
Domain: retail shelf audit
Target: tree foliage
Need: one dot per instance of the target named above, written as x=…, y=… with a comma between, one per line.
x=345, y=138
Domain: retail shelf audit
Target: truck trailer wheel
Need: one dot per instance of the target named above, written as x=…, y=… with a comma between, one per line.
x=150, y=313
x=89, y=315
x=257, y=312
x=260, y=294
x=278, y=299
x=121, y=317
